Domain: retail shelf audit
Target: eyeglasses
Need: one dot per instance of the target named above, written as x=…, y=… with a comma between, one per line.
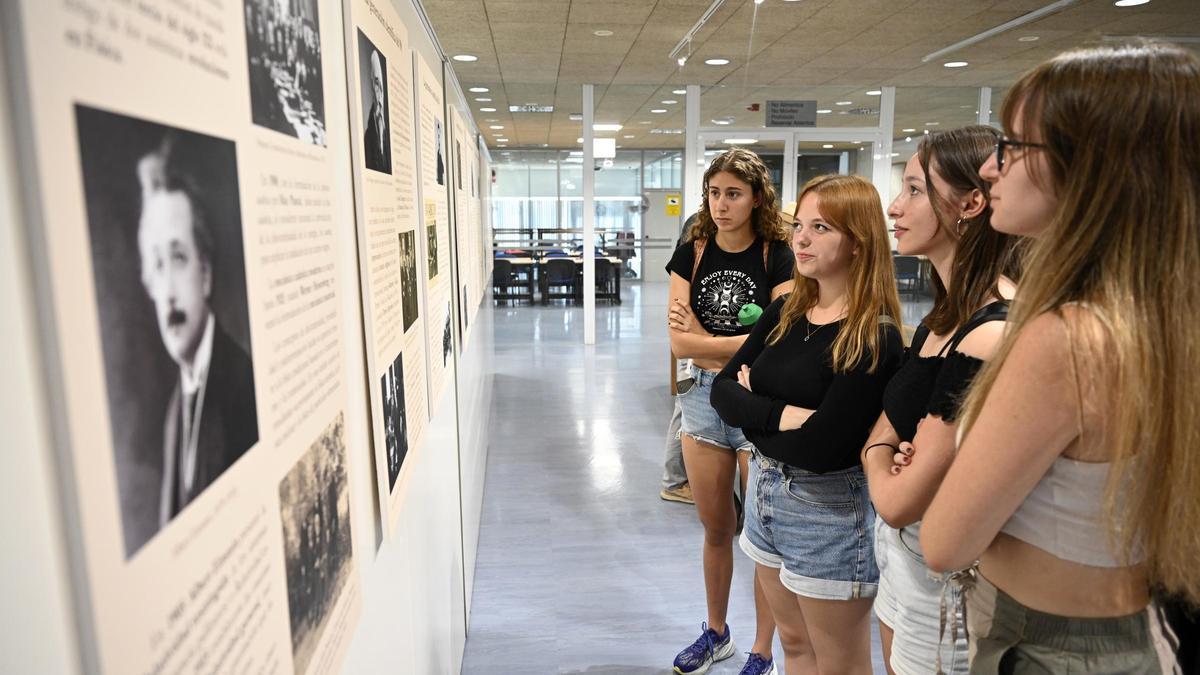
x=1009, y=143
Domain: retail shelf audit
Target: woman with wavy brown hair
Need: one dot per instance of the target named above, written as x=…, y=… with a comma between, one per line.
x=735, y=258
x=942, y=212
x=1074, y=484
x=805, y=388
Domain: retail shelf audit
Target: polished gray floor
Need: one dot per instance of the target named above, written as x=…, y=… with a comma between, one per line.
x=582, y=568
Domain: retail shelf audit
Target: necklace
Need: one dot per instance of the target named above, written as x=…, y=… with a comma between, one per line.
x=809, y=331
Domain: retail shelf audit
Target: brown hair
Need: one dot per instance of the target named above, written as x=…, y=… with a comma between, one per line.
x=982, y=255
x=851, y=205
x=1121, y=132
x=748, y=168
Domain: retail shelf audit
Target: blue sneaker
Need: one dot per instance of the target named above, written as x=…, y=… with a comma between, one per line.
x=757, y=665
x=705, y=651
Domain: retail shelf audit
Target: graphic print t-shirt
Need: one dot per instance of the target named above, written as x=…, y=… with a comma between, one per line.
x=727, y=281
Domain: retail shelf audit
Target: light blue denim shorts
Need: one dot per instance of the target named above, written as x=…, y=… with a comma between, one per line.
x=818, y=530
x=703, y=423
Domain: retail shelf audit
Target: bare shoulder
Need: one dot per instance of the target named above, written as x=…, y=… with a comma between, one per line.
x=983, y=341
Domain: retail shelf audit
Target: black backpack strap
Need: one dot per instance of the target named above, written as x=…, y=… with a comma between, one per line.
x=920, y=335
x=996, y=311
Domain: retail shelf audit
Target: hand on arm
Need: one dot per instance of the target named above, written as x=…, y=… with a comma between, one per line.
x=903, y=483
x=688, y=338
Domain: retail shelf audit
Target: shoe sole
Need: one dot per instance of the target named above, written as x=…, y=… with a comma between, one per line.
x=668, y=497
x=725, y=652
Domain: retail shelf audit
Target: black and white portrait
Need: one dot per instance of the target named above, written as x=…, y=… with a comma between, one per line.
x=314, y=506
x=447, y=339
x=395, y=428
x=372, y=80
x=165, y=229
x=437, y=145
x=283, y=46
x=431, y=249
x=408, y=278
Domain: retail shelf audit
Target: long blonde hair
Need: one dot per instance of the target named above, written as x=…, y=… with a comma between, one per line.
x=748, y=168
x=850, y=205
x=1121, y=130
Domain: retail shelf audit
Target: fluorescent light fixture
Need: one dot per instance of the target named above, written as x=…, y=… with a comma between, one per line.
x=740, y=141
x=670, y=101
x=907, y=131
x=686, y=40
x=875, y=92
x=606, y=127
x=465, y=58
x=575, y=117
x=679, y=92
x=1130, y=3
x=932, y=124
x=576, y=153
x=716, y=62
x=1002, y=28
x=501, y=140
x=658, y=111
x=483, y=99
x=478, y=90
x=579, y=140
x=828, y=146
x=487, y=110
x=502, y=146
x=955, y=64
x=1028, y=38
x=531, y=108
x=496, y=126
x=824, y=111
x=602, y=33
x=723, y=121
x=844, y=103
x=630, y=136
x=645, y=122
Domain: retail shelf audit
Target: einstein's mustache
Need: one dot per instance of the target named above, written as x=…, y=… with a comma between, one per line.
x=176, y=317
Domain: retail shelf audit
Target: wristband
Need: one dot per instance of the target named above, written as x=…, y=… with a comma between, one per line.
x=867, y=449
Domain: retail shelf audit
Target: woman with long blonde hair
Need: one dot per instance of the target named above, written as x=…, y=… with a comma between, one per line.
x=805, y=388
x=1074, y=484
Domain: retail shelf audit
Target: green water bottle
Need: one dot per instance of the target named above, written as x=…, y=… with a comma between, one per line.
x=749, y=313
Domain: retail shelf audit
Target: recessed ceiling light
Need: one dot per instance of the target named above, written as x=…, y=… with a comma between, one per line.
x=875, y=92
x=491, y=119
x=908, y=139
x=740, y=141
x=1028, y=38
x=716, y=62
x=645, y=122
x=501, y=140
x=827, y=146
x=824, y=111
x=497, y=126
x=575, y=117
x=606, y=127
x=579, y=140
x=955, y=64
x=602, y=33
x=501, y=146
x=932, y=124
x=465, y=58
x=1130, y=3
x=679, y=92
x=908, y=130
x=844, y=103
x=487, y=110
x=478, y=90
x=670, y=101
x=630, y=136
x=723, y=121
x=659, y=111
x=483, y=99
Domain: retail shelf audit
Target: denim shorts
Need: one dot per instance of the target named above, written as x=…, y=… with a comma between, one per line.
x=817, y=529
x=703, y=423
x=1007, y=636
x=910, y=602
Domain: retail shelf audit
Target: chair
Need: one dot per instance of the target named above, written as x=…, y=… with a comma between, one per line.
x=557, y=273
x=504, y=279
x=908, y=273
x=608, y=285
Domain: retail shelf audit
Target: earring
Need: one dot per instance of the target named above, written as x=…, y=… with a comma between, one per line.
x=960, y=227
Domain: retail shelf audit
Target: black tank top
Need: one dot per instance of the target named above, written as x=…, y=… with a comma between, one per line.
x=935, y=385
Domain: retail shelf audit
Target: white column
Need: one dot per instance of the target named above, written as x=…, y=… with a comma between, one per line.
x=882, y=147
x=589, y=220
x=789, y=171
x=692, y=155
x=985, y=105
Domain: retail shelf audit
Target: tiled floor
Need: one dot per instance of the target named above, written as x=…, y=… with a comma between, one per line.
x=582, y=568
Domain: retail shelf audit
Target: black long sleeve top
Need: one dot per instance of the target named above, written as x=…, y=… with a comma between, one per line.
x=798, y=371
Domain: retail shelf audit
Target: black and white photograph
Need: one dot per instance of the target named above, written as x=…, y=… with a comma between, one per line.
x=408, y=278
x=447, y=339
x=395, y=427
x=283, y=46
x=314, y=505
x=372, y=80
x=432, y=249
x=438, y=148
x=168, y=263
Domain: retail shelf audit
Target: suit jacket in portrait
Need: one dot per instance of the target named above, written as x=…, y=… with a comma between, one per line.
x=379, y=155
x=228, y=424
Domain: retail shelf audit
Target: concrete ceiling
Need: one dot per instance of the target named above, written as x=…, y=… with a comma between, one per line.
x=541, y=51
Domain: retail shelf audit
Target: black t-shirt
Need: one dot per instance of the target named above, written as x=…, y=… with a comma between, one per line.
x=799, y=372
x=727, y=281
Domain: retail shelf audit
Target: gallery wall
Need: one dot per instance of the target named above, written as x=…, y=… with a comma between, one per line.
x=338, y=534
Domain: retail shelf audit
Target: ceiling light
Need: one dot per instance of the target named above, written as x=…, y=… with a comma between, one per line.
x=1028, y=38
x=497, y=126
x=670, y=101
x=487, y=110
x=606, y=127
x=1130, y=3
x=682, y=60
x=478, y=90
x=491, y=119
x=740, y=141
x=845, y=103
x=465, y=58
x=716, y=62
x=723, y=121
x=645, y=122
x=483, y=99
x=908, y=139
x=758, y=2
x=501, y=140
x=824, y=111
x=680, y=92
x=502, y=146
x=955, y=64
x=908, y=130
x=659, y=111
x=875, y=92
x=932, y=124
x=827, y=146
x=602, y=33
x=630, y=136
x=575, y=117
x=579, y=140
